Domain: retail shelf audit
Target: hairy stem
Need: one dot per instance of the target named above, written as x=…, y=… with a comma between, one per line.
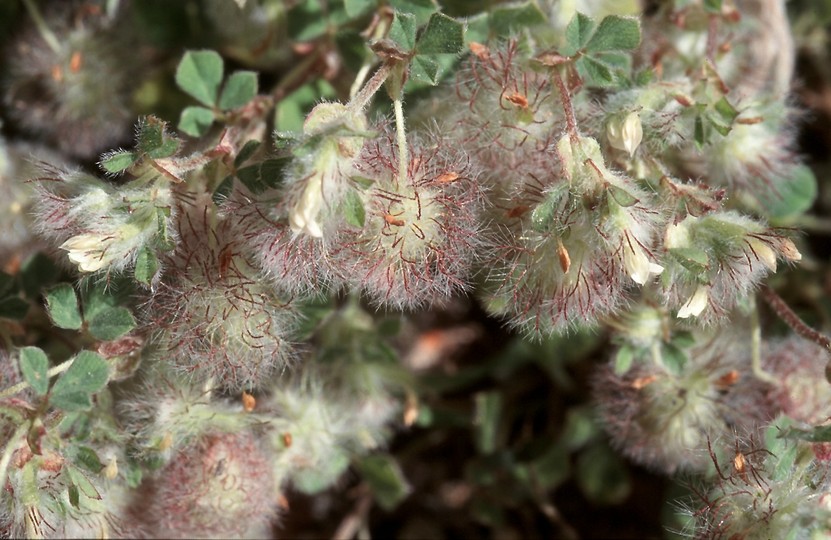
x=756, y=347
x=568, y=107
x=784, y=312
x=361, y=99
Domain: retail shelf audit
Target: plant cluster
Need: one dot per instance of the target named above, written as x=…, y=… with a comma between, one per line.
x=324, y=202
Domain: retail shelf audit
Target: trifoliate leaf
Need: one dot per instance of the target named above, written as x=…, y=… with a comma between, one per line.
x=196, y=121
x=87, y=374
x=578, y=33
x=62, y=305
x=199, y=74
x=443, y=35
x=595, y=72
x=239, y=89
x=615, y=33
x=422, y=9
x=425, y=68
x=34, y=366
x=111, y=324
x=353, y=209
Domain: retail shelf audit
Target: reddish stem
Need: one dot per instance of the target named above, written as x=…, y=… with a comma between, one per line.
x=790, y=318
x=568, y=107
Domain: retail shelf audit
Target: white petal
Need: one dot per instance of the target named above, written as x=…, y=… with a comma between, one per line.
x=696, y=304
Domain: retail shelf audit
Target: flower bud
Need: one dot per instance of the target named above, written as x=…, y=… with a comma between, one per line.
x=625, y=133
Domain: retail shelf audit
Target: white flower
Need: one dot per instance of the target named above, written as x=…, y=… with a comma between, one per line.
x=637, y=263
x=625, y=133
x=89, y=251
x=303, y=217
x=763, y=252
x=696, y=304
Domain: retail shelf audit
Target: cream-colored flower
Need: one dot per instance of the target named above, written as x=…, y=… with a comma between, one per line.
x=91, y=252
x=637, y=263
x=763, y=252
x=304, y=216
x=696, y=304
x=625, y=133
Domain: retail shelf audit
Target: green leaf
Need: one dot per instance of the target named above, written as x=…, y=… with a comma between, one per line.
x=38, y=272
x=355, y=8
x=422, y=9
x=602, y=475
x=403, y=31
x=713, y=6
x=196, y=121
x=87, y=374
x=166, y=149
x=443, y=35
x=552, y=468
x=621, y=196
x=615, y=33
x=111, y=324
x=363, y=182
x=794, y=194
x=623, y=359
x=13, y=308
x=486, y=420
x=74, y=496
x=384, y=477
x=353, y=209
x=146, y=265
x=578, y=33
x=199, y=74
x=246, y=152
x=97, y=298
x=693, y=259
x=595, y=72
x=223, y=190
x=34, y=366
x=542, y=217
x=88, y=459
x=239, y=89
x=506, y=20
x=265, y=175
x=726, y=110
x=84, y=485
x=117, y=162
x=699, y=134
x=62, y=305
x=425, y=68
x=673, y=358
x=150, y=134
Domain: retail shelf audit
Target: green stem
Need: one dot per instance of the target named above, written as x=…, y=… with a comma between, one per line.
x=23, y=385
x=48, y=36
x=401, y=133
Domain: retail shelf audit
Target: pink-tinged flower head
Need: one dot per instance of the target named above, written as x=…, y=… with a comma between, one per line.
x=214, y=314
x=715, y=260
x=219, y=487
x=420, y=233
x=662, y=416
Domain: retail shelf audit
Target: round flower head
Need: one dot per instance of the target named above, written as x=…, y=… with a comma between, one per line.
x=663, y=418
x=73, y=91
x=715, y=260
x=294, y=240
x=219, y=487
x=418, y=239
x=216, y=316
x=575, y=241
